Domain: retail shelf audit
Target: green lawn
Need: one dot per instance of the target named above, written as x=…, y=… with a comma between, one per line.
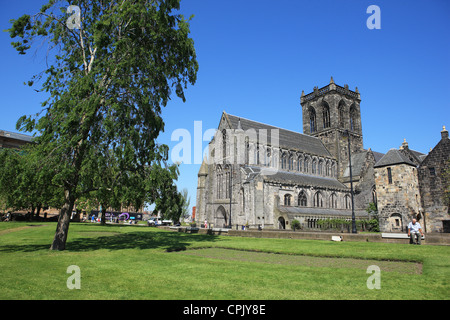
x=132, y=262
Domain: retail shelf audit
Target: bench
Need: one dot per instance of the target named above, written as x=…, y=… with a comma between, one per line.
x=191, y=230
x=397, y=235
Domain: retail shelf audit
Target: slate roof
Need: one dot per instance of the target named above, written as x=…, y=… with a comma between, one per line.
x=287, y=139
x=358, y=161
x=321, y=211
x=273, y=175
x=393, y=157
x=304, y=179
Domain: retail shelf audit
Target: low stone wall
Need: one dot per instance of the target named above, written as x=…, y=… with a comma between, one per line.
x=430, y=238
x=436, y=238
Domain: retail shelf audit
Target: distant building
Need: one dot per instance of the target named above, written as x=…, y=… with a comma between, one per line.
x=13, y=140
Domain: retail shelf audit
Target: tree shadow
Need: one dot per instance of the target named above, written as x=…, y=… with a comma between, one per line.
x=169, y=241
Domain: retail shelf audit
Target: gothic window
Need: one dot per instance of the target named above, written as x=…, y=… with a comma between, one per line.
x=312, y=120
x=389, y=172
x=333, y=201
x=302, y=200
x=287, y=199
x=247, y=151
x=374, y=195
x=284, y=161
x=318, y=200
x=326, y=116
x=224, y=145
x=267, y=160
x=306, y=166
x=257, y=155
x=327, y=169
x=347, y=203
x=314, y=167
x=320, y=167
x=291, y=163
x=299, y=164
x=227, y=185
x=333, y=169
x=243, y=200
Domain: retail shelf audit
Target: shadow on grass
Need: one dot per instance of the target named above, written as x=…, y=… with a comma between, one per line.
x=169, y=241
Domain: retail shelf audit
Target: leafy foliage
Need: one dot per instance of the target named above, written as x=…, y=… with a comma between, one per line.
x=107, y=84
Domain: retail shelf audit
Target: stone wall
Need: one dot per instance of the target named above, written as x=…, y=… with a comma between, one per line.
x=432, y=183
x=399, y=201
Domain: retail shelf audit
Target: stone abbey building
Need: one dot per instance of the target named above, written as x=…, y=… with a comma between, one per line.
x=261, y=175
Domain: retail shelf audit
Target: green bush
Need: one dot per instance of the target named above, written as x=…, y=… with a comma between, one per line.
x=295, y=224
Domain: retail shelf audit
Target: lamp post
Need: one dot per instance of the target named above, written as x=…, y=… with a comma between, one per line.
x=231, y=189
x=347, y=133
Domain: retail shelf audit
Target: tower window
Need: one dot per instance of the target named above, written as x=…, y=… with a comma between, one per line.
x=326, y=117
x=312, y=120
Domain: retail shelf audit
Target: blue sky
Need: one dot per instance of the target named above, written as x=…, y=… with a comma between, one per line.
x=256, y=57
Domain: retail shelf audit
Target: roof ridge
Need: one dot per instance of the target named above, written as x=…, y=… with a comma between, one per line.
x=269, y=125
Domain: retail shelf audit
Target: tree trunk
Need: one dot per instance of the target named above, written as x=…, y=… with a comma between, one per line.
x=103, y=215
x=38, y=211
x=62, y=228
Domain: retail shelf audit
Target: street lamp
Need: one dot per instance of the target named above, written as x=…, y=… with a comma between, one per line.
x=231, y=189
x=347, y=134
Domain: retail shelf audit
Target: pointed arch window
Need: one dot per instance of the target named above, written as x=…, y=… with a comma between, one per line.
x=287, y=199
x=312, y=120
x=333, y=201
x=291, y=163
x=302, y=199
x=347, y=203
x=318, y=200
x=224, y=145
x=320, y=167
x=284, y=161
x=326, y=116
x=314, y=167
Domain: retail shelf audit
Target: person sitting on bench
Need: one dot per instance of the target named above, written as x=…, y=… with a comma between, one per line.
x=415, y=232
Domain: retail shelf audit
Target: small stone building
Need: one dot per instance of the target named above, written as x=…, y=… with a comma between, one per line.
x=398, y=193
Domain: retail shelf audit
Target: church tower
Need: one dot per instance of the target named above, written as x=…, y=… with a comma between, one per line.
x=329, y=113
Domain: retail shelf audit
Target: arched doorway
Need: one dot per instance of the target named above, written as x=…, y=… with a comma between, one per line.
x=221, y=217
x=281, y=223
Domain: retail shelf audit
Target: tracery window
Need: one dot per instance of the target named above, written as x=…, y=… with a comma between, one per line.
x=287, y=199
x=302, y=199
x=326, y=116
x=318, y=200
x=312, y=120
